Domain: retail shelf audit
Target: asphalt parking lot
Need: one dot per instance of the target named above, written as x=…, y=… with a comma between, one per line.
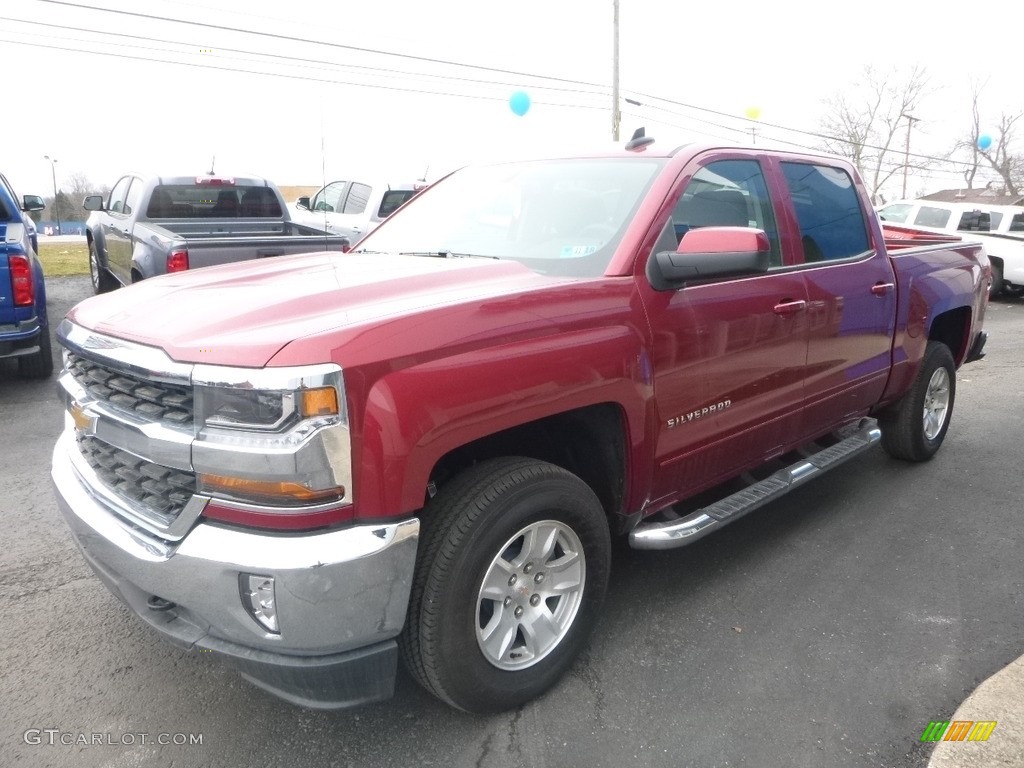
x=827, y=629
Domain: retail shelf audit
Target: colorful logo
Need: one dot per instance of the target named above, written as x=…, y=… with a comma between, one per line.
x=958, y=730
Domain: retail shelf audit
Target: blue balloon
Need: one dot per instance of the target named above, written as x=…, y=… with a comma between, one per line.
x=984, y=142
x=519, y=102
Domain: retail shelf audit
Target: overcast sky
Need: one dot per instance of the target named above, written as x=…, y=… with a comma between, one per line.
x=163, y=97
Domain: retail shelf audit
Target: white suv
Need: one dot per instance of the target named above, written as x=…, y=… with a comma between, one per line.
x=997, y=227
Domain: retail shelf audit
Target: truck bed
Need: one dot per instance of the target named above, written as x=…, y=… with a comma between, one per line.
x=221, y=241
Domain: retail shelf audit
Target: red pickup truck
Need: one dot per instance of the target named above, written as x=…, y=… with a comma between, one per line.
x=317, y=464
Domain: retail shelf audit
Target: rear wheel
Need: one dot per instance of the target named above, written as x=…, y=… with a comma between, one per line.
x=997, y=279
x=102, y=280
x=915, y=428
x=510, y=579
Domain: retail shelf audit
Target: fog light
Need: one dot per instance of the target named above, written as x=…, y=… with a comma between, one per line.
x=258, y=599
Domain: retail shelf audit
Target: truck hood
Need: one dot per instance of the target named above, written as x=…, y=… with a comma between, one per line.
x=242, y=314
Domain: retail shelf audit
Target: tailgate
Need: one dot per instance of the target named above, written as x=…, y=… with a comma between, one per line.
x=208, y=252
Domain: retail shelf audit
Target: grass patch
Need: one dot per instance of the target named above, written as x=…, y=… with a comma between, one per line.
x=61, y=259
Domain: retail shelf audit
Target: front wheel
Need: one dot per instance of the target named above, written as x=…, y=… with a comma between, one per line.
x=915, y=428
x=510, y=579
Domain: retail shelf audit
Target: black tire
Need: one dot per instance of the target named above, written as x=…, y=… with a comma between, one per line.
x=997, y=279
x=915, y=428
x=102, y=280
x=40, y=364
x=467, y=529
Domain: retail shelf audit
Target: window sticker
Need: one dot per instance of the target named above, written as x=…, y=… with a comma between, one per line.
x=576, y=251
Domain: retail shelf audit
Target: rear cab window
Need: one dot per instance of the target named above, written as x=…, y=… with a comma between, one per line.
x=203, y=201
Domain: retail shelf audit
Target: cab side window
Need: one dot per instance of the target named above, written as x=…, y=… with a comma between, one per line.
x=118, y=195
x=329, y=198
x=974, y=221
x=929, y=216
x=728, y=193
x=357, y=198
x=828, y=211
x=134, y=196
x=896, y=213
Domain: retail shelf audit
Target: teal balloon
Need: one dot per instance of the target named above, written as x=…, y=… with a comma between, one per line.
x=984, y=142
x=519, y=102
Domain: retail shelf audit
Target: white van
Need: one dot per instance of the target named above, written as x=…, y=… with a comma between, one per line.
x=1000, y=228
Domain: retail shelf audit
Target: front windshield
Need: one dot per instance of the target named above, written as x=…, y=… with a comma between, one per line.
x=562, y=217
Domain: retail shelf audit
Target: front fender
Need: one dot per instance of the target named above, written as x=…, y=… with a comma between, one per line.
x=416, y=415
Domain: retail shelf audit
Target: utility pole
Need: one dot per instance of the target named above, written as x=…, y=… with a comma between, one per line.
x=616, y=115
x=53, y=174
x=906, y=151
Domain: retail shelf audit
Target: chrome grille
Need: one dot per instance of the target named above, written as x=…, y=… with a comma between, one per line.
x=151, y=400
x=162, y=491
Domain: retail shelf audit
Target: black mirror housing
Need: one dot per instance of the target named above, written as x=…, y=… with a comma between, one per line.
x=32, y=203
x=302, y=202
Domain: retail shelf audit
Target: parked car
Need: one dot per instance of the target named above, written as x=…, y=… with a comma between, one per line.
x=992, y=225
x=313, y=466
x=151, y=225
x=353, y=208
x=24, y=328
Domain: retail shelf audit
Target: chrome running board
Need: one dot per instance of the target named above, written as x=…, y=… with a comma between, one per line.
x=686, y=530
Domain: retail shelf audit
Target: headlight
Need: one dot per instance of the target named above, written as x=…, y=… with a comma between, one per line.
x=244, y=408
x=272, y=438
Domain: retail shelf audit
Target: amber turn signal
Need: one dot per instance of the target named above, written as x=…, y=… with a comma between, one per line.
x=322, y=401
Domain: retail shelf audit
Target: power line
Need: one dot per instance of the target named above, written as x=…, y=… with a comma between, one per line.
x=804, y=132
x=302, y=60
x=432, y=60
x=310, y=41
x=198, y=65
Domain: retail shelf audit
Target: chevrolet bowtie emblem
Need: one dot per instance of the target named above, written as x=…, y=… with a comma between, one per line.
x=83, y=421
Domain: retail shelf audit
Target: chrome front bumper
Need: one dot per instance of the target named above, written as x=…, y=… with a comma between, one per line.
x=341, y=595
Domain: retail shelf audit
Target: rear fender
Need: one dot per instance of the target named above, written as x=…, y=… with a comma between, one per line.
x=931, y=287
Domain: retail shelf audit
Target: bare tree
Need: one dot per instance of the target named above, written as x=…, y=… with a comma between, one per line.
x=70, y=196
x=1000, y=155
x=864, y=123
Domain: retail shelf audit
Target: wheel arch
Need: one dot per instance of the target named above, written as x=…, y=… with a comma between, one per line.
x=952, y=328
x=590, y=442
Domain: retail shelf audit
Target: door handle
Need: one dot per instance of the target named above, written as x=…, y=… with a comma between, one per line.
x=881, y=289
x=787, y=308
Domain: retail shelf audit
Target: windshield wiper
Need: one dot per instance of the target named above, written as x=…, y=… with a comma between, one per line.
x=446, y=255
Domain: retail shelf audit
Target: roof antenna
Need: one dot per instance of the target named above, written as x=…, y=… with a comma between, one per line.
x=423, y=178
x=639, y=141
x=212, y=161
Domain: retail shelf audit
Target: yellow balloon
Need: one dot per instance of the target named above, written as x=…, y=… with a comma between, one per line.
x=753, y=112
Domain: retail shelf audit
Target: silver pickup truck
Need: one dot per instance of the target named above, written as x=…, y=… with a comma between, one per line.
x=151, y=225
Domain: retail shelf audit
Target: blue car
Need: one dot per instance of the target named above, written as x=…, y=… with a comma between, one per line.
x=24, y=329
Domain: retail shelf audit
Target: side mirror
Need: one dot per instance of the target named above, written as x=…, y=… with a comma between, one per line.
x=93, y=203
x=32, y=203
x=303, y=203
x=710, y=252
